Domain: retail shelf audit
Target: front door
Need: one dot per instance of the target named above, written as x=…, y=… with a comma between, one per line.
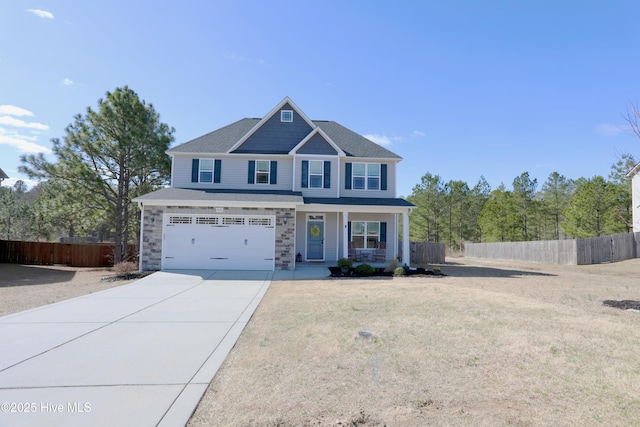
x=315, y=238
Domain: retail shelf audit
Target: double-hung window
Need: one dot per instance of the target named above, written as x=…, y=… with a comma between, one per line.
x=262, y=171
x=366, y=176
x=316, y=174
x=365, y=234
x=206, y=170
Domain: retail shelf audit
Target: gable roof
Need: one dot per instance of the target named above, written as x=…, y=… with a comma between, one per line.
x=3, y=175
x=229, y=138
x=323, y=137
x=286, y=103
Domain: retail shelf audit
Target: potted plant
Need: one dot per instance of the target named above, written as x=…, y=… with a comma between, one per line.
x=345, y=264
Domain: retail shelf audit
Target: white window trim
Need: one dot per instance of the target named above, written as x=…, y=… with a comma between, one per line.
x=366, y=176
x=200, y=170
x=365, y=235
x=255, y=173
x=321, y=174
x=283, y=113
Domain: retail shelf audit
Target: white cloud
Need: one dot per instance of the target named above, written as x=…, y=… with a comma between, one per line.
x=379, y=139
x=417, y=133
x=23, y=143
x=12, y=110
x=609, y=129
x=41, y=13
x=68, y=82
x=383, y=139
x=17, y=123
x=11, y=130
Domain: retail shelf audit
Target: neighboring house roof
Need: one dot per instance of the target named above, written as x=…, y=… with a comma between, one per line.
x=634, y=171
x=223, y=139
x=3, y=175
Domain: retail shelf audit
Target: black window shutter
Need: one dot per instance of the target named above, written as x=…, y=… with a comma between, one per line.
x=349, y=231
x=217, y=165
x=383, y=177
x=383, y=232
x=251, y=178
x=195, y=169
x=273, y=173
x=347, y=176
x=327, y=174
x=304, y=174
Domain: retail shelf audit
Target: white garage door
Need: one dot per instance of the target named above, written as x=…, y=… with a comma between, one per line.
x=218, y=242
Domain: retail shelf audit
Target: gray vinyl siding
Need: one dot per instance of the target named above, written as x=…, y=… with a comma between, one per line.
x=318, y=192
x=276, y=137
x=234, y=172
x=391, y=181
x=317, y=145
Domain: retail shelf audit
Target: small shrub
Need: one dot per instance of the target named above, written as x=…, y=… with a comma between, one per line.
x=364, y=270
x=125, y=268
x=345, y=263
x=399, y=271
x=392, y=266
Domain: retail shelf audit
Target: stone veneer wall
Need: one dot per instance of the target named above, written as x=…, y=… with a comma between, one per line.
x=151, y=253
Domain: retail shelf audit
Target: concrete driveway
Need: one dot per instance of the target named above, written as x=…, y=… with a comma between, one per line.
x=141, y=354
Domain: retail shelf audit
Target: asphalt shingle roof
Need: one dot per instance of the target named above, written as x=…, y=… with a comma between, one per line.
x=221, y=140
x=357, y=201
x=173, y=194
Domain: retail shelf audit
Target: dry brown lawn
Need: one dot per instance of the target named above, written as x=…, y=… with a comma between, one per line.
x=492, y=344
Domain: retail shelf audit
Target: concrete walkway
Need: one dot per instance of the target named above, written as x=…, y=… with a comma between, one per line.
x=141, y=354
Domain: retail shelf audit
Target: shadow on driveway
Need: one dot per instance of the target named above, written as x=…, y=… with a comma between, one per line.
x=24, y=275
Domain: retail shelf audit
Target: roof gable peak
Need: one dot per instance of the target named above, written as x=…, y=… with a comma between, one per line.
x=269, y=115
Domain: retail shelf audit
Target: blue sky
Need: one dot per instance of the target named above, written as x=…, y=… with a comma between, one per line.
x=457, y=88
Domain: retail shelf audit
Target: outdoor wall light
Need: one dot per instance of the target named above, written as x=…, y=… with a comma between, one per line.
x=284, y=220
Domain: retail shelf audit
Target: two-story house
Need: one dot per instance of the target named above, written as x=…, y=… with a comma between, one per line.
x=259, y=193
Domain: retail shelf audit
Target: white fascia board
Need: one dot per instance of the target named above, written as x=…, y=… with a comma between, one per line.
x=323, y=135
x=270, y=114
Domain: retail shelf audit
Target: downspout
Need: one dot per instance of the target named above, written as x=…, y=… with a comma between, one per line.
x=141, y=207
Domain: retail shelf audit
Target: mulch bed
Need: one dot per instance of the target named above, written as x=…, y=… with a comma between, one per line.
x=130, y=276
x=380, y=272
x=623, y=305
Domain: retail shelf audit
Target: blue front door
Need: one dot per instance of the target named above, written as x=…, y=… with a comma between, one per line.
x=315, y=238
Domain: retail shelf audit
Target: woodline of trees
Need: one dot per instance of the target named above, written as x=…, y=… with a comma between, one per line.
x=107, y=157
x=452, y=212
x=117, y=152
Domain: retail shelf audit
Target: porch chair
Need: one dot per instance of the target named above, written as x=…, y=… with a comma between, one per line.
x=380, y=253
x=354, y=254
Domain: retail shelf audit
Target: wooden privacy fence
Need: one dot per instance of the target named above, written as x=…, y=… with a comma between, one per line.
x=425, y=252
x=595, y=250
x=45, y=253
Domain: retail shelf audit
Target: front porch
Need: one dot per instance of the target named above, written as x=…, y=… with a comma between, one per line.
x=364, y=230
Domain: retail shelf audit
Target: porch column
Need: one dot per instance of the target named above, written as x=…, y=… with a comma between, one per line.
x=345, y=234
x=406, y=248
